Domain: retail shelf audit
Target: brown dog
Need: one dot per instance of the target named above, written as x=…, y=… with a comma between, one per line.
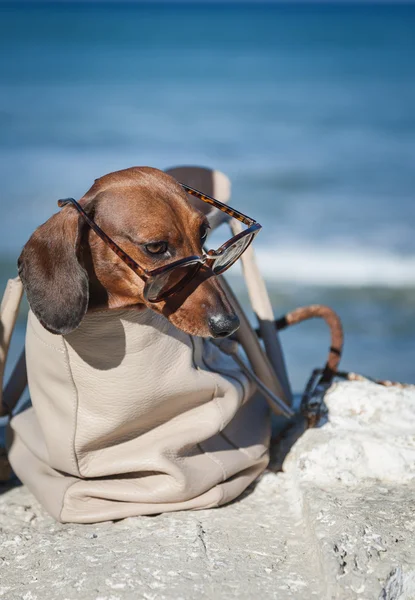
x=67, y=269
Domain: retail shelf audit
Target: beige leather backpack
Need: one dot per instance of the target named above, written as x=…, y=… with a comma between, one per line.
x=131, y=416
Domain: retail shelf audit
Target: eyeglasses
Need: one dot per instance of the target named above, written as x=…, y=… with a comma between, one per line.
x=173, y=277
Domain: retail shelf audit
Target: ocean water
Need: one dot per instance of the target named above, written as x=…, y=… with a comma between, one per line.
x=310, y=109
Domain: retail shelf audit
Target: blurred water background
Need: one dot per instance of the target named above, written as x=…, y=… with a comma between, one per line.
x=310, y=109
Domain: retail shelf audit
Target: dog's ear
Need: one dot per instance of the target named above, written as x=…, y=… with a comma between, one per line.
x=55, y=281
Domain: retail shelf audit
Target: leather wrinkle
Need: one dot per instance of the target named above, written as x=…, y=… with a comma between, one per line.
x=116, y=357
x=216, y=460
x=227, y=374
x=76, y=406
x=244, y=391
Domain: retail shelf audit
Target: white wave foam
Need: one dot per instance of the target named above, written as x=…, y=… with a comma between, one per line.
x=336, y=266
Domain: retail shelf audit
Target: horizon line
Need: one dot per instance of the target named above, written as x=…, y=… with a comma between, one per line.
x=252, y=2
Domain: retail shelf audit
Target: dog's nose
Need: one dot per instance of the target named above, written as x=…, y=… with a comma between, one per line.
x=223, y=325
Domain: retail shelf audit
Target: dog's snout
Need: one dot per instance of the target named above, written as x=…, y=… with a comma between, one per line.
x=221, y=325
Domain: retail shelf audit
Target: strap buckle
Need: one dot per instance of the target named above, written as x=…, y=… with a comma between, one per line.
x=313, y=406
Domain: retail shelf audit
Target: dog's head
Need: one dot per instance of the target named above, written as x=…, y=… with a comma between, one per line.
x=67, y=269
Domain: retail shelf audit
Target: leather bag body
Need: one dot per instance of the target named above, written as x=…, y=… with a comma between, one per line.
x=131, y=417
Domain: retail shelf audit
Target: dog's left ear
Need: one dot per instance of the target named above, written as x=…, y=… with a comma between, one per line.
x=50, y=268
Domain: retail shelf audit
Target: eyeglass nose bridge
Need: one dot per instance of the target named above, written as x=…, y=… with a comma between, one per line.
x=209, y=258
x=206, y=262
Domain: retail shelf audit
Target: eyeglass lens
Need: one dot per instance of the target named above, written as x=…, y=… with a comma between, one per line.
x=167, y=283
x=231, y=254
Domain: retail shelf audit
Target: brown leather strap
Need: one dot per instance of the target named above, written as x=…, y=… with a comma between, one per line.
x=312, y=402
x=336, y=344
x=331, y=318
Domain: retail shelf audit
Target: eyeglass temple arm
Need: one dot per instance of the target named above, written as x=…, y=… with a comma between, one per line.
x=105, y=238
x=217, y=204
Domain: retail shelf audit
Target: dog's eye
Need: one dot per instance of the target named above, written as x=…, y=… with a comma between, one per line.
x=204, y=232
x=156, y=247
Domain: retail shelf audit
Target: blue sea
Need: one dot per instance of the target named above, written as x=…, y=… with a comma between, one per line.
x=310, y=110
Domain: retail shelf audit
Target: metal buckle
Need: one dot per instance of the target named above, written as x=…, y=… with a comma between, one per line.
x=313, y=406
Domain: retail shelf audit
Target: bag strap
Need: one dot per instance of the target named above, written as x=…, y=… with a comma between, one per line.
x=312, y=403
x=263, y=370
x=9, y=311
x=313, y=407
x=262, y=307
x=231, y=347
x=268, y=365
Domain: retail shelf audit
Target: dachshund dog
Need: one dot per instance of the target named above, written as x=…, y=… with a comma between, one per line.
x=67, y=269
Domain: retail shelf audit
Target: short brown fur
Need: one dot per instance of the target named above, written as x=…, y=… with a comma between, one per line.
x=67, y=269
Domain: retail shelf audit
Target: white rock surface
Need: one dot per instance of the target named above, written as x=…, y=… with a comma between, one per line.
x=370, y=436
x=356, y=479
x=339, y=523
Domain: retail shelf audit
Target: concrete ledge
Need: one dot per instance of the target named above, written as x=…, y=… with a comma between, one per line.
x=339, y=523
